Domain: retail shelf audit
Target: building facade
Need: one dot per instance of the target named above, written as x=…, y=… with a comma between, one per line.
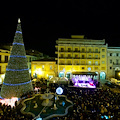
x=113, y=64
x=43, y=69
x=4, y=57
x=81, y=55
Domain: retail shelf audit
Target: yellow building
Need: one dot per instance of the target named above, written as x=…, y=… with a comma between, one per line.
x=4, y=57
x=77, y=55
x=43, y=69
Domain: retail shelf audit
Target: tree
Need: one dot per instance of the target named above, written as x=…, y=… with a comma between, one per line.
x=17, y=80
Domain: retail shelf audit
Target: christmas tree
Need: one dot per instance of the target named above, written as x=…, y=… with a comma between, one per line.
x=17, y=80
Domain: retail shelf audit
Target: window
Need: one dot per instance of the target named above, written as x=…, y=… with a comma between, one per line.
x=96, y=56
x=0, y=69
x=30, y=59
x=82, y=62
x=83, y=56
x=83, y=50
x=69, y=62
x=96, y=50
x=76, y=62
x=61, y=55
x=110, y=54
x=117, y=61
x=103, y=62
x=76, y=49
x=0, y=58
x=89, y=62
x=110, y=61
x=110, y=67
x=83, y=68
x=34, y=66
x=61, y=62
x=6, y=58
x=62, y=49
x=43, y=67
x=103, y=68
x=69, y=49
x=103, y=56
x=96, y=68
x=69, y=55
x=96, y=62
x=103, y=50
x=89, y=50
x=50, y=67
x=89, y=56
x=117, y=54
x=76, y=56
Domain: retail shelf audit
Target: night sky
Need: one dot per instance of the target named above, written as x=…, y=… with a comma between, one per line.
x=45, y=21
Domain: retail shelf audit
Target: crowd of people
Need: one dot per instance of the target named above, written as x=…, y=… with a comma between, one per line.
x=96, y=104
x=88, y=104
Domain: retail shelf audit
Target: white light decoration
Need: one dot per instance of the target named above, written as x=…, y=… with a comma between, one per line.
x=89, y=69
x=59, y=90
x=10, y=102
x=19, y=20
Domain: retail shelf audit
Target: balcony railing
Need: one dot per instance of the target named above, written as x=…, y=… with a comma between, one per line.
x=79, y=58
x=78, y=64
x=78, y=51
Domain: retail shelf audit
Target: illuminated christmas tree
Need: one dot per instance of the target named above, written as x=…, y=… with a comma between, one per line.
x=17, y=80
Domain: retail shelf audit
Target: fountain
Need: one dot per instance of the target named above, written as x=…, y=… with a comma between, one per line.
x=47, y=105
x=47, y=96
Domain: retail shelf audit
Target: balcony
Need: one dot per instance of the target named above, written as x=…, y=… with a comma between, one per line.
x=65, y=63
x=76, y=51
x=76, y=57
x=93, y=58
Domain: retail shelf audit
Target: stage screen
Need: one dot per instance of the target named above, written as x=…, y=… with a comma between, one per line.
x=83, y=81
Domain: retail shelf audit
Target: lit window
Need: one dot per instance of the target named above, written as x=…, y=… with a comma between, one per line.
x=96, y=56
x=34, y=66
x=89, y=62
x=103, y=62
x=42, y=67
x=51, y=67
x=96, y=62
x=103, y=56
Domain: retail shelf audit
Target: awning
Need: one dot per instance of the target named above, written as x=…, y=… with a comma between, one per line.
x=84, y=73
